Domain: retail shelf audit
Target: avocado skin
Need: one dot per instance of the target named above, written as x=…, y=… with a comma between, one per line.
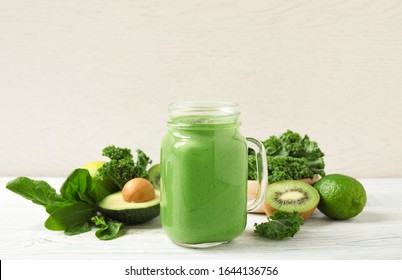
x=132, y=216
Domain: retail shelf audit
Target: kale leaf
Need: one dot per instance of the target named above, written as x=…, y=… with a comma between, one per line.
x=280, y=225
x=290, y=157
x=291, y=144
x=122, y=168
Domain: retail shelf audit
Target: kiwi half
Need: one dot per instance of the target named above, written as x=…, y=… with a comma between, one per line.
x=155, y=176
x=291, y=196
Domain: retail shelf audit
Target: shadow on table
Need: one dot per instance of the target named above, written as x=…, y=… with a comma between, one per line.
x=152, y=224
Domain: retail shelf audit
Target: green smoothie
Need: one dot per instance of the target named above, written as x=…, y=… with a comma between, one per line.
x=203, y=182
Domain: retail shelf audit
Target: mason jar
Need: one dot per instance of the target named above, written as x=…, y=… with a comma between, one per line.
x=204, y=161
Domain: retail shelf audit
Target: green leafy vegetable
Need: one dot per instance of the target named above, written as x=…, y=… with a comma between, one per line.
x=121, y=168
x=70, y=216
x=78, y=229
x=54, y=206
x=75, y=209
x=288, y=168
x=37, y=191
x=291, y=144
x=109, y=228
x=280, y=225
x=79, y=186
x=290, y=157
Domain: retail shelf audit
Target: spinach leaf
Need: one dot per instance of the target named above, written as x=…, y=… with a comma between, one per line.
x=70, y=216
x=79, y=186
x=76, y=186
x=53, y=207
x=37, y=191
x=80, y=228
x=109, y=228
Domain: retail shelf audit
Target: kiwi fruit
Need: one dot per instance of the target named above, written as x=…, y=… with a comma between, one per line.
x=155, y=176
x=291, y=195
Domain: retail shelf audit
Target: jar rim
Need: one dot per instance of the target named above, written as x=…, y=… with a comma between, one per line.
x=220, y=108
x=201, y=114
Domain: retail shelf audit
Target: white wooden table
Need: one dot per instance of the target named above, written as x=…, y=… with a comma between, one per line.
x=375, y=234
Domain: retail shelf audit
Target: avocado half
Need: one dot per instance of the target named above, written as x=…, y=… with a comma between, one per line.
x=129, y=213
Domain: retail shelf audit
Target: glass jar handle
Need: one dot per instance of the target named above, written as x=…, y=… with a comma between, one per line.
x=262, y=173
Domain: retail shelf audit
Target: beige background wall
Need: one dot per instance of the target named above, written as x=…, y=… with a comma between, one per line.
x=76, y=76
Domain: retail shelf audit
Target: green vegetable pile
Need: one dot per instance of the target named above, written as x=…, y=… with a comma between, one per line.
x=75, y=209
x=289, y=157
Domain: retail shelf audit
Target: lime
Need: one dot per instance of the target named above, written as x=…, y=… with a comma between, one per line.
x=341, y=196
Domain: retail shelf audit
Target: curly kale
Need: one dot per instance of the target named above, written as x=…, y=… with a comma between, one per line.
x=290, y=157
x=288, y=168
x=282, y=168
x=291, y=144
x=121, y=168
x=280, y=225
